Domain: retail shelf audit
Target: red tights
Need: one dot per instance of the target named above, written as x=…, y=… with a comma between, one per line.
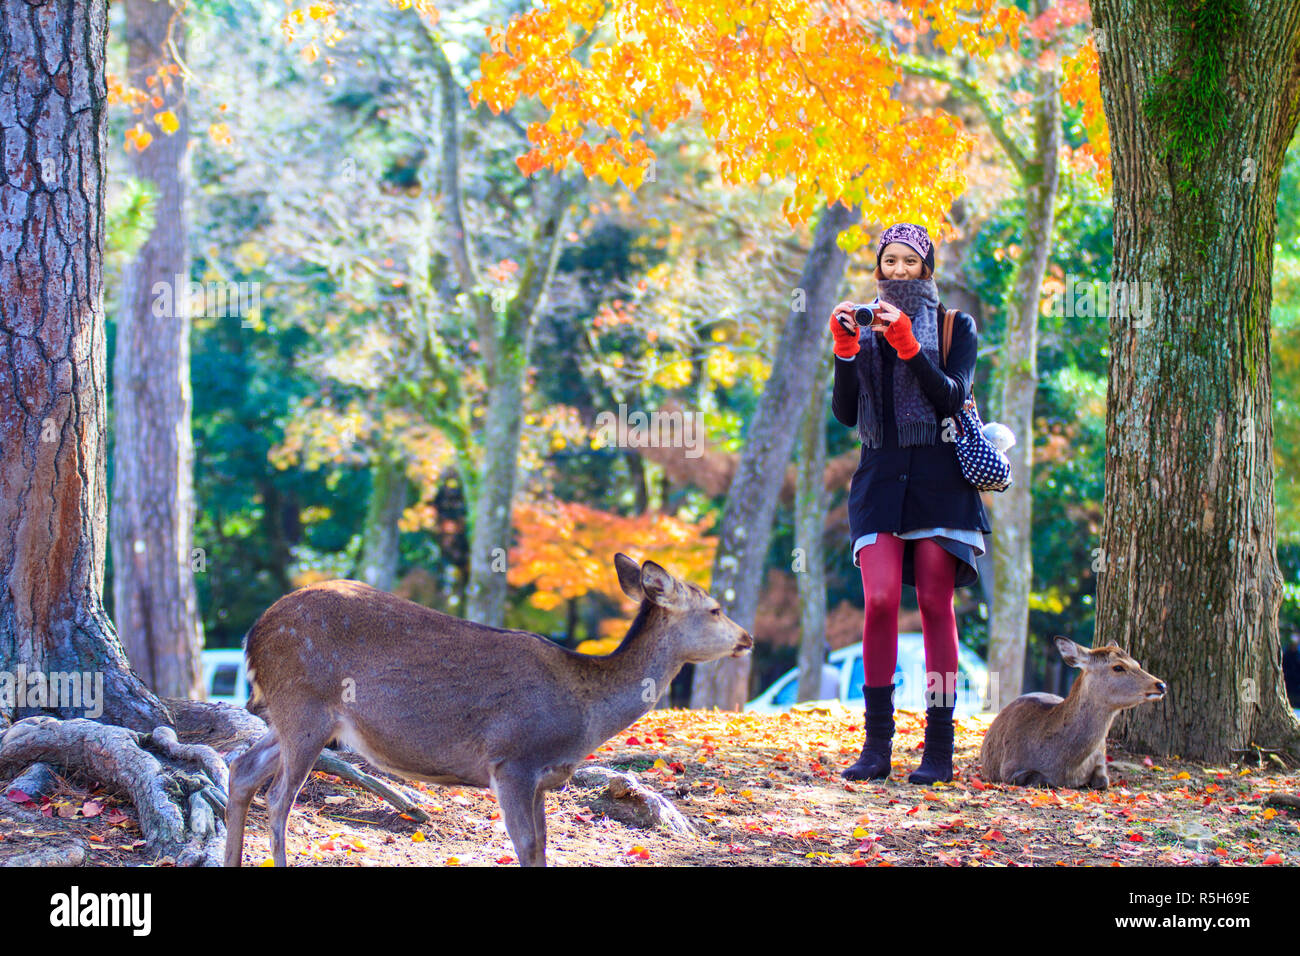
x=882, y=587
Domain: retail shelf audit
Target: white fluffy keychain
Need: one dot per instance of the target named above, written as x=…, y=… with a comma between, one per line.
x=1000, y=436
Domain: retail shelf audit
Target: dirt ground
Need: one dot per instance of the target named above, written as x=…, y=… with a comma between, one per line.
x=763, y=790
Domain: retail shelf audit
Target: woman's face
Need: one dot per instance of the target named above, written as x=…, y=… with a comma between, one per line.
x=900, y=261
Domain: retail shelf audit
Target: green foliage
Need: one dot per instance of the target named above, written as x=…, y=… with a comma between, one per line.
x=129, y=218
x=1288, y=205
x=1285, y=359
x=256, y=525
x=1069, y=481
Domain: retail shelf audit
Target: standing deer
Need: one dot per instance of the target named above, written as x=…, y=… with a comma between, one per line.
x=432, y=697
x=1042, y=740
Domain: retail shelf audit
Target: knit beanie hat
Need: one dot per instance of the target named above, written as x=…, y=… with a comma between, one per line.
x=909, y=235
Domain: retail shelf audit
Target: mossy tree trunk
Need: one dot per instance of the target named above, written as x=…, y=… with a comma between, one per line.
x=380, y=553
x=1011, y=511
x=1202, y=100
x=504, y=326
x=810, y=535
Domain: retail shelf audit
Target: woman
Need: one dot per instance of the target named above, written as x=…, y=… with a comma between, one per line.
x=914, y=519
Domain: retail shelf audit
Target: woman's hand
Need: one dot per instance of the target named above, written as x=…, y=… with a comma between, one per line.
x=898, y=330
x=845, y=330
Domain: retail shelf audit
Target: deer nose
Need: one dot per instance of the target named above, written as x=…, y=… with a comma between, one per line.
x=745, y=640
x=1160, y=686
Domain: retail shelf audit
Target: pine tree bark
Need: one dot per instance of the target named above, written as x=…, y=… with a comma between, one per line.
x=151, y=525
x=751, y=501
x=1188, y=577
x=53, y=500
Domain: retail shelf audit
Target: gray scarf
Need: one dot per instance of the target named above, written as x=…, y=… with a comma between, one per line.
x=914, y=414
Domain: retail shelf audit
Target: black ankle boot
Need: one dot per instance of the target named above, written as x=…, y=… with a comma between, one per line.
x=936, y=762
x=874, y=762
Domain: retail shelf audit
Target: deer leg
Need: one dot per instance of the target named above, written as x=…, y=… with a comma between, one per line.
x=296, y=761
x=517, y=793
x=1099, y=780
x=249, y=771
x=1028, y=778
x=539, y=825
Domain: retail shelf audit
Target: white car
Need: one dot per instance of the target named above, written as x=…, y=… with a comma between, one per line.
x=909, y=676
x=225, y=676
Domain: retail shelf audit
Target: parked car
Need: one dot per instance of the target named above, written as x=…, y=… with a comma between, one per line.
x=785, y=690
x=225, y=676
x=909, y=677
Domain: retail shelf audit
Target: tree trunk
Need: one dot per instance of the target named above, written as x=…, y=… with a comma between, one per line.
x=810, y=536
x=379, y=549
x=505, y=329
x=152, y=521
x=1011, y=511
x=53, y=502
x=1189, y=581
x=751, y=501
x=486, y=593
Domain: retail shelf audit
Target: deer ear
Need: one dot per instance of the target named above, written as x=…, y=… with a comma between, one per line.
x=660, y=586
x=1071, y=653
x=629, y=577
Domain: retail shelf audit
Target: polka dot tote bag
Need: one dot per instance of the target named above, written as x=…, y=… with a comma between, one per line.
x=982, y=464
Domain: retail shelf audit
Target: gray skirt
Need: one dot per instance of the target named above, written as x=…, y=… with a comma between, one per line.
x=963, y=544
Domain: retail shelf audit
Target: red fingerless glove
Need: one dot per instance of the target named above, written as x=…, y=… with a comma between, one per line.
x=846, y=342
x=899, y=335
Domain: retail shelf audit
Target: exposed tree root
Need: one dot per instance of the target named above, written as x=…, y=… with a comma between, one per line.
x=625, y=799
x=67, y=853
x=332, y=763
x=232, y=730
x=181, y=812
x=1289, y=801
x=226, y=728
x=38, y=780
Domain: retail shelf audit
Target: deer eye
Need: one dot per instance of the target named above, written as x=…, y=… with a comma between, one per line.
x=716, y=612
x=1118, y=668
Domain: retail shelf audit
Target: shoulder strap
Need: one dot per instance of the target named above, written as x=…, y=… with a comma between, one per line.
x=948, y=319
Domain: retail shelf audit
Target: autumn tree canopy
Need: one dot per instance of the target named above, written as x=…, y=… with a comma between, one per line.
x=783, y=89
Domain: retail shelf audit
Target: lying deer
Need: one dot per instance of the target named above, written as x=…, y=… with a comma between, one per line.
x=1042, y=740
x=428, y=696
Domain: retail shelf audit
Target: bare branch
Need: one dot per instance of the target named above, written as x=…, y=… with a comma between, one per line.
x=997, y=120
x=544, y=250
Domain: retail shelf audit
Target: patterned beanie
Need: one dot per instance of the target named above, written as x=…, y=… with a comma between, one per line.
x=909, y=235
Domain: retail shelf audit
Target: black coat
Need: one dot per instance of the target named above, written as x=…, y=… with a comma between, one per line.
x=903, y=489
